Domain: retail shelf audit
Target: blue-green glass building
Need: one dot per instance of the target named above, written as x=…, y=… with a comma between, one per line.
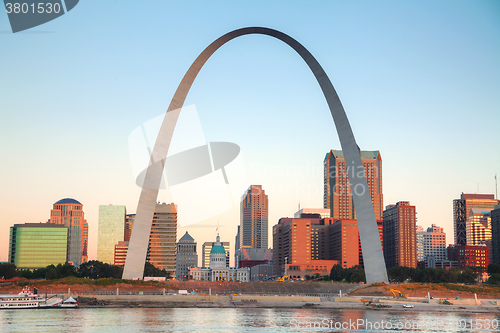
x=37, y=245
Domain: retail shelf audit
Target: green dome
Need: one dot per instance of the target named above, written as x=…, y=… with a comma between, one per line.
x=218, y=248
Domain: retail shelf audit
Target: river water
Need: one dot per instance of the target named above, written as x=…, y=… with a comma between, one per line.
x=126, y=320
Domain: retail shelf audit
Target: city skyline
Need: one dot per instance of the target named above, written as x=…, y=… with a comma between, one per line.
x=418, y=84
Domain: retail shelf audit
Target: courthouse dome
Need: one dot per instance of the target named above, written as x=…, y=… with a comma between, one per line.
x=218, y=248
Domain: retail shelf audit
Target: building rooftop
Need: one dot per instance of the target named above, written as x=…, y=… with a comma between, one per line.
x=475, y=211
x=186, y=237
x=477, y=196
x=39, y=225
x=68, y=200
x=363, y=153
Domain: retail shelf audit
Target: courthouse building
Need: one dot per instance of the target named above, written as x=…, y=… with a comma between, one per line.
x=217, y=270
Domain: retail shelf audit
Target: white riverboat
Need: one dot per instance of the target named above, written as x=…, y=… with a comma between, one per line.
x=26, y=299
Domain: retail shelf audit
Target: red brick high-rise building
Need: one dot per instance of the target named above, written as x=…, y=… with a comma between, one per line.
x=400, y=237
x=120, y=253
x=337, y=194
x=69, y=212
x=312, y=245
x=300, y=246
x=469, y=255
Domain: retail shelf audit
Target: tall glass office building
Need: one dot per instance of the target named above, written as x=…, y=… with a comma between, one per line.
x=37, y=245
x=110, y=231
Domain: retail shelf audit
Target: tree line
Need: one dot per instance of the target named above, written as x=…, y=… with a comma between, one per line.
x=356, y=274
x=433, y=275
x=92, y=269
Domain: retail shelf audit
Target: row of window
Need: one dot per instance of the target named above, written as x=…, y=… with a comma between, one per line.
x=18, y=305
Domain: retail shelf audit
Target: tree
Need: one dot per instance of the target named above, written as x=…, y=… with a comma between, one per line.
x=337, y=273
x=151, y=270
x=25, y=273
x=357, y=275
x=431, y=275
x=97, y=270
x=7, y=271
x=402, y=273
x=39, y=273
x=51, y=273
x=448, y=275
x=494, y=269
x=494, y=279
x=66, y=270
x=468, y=276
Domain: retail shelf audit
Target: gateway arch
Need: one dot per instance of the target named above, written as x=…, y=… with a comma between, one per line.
x=375, y=268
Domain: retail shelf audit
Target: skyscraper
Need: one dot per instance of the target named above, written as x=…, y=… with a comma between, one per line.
x=37, y=245
x=110, y=231
x=163, y=237
x=461, y=211
x=495, y=235
x=69, y=212
x=236, y=247
x=254, y=218
x=129, y=223
x=431, y=243
x=478, y=228
x=344, y=242
x=186, y=256
x=337, y=194
x=162, y=243
x=400, y=243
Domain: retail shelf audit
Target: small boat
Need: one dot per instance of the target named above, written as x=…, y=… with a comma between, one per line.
x=26, y=299
x=408, y=306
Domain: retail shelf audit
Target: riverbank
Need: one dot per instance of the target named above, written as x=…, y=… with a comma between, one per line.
x=320, y=295
x=247, y=301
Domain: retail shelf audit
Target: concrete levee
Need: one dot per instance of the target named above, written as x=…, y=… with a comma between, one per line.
x=202, y=298
x=159, y=298
x=244, y=298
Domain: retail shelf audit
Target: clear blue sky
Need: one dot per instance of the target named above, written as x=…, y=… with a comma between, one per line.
x=419, y=80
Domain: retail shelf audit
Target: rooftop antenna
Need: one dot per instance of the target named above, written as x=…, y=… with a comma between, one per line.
x=496, y=187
